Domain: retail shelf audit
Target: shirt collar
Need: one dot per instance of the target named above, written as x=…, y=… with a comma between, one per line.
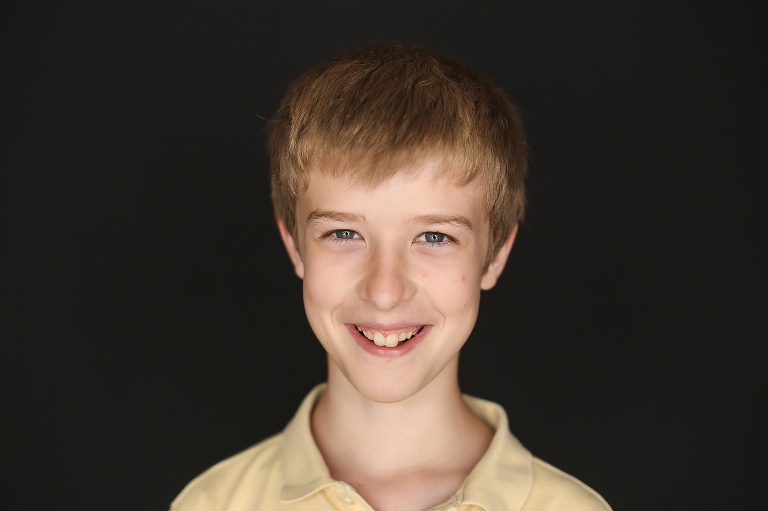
x=503, y=477
x=506, y=464
x=304, y=470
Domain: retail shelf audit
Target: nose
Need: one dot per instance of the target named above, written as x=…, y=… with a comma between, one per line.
x=386, y=282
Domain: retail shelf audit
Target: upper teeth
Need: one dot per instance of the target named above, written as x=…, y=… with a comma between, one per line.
x=390, y=341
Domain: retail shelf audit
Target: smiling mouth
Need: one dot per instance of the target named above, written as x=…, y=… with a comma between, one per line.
x=391, y=340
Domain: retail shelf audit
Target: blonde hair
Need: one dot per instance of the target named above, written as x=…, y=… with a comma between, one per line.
x=372, y=112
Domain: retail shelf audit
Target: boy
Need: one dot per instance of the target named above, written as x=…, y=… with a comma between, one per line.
x=398, y=183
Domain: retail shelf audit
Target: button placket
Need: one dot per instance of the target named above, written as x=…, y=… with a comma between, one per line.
x=345, y=493
x=454, y=503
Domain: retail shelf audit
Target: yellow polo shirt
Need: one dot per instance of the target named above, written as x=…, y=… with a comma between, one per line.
x=287, y=473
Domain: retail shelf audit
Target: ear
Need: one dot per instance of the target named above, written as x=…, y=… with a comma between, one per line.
x=290, y=246
x=498, y=262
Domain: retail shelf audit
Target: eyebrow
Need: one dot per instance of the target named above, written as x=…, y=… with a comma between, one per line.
x=320, y=215
x=455, y=220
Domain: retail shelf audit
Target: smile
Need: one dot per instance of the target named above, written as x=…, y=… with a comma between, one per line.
x=389, y=340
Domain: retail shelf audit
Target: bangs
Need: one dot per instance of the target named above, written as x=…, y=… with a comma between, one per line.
x=372, y=168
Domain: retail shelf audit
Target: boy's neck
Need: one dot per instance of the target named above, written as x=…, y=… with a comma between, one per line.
x=411, y=454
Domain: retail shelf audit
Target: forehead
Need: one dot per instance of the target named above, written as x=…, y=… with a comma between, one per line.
x=426, y=187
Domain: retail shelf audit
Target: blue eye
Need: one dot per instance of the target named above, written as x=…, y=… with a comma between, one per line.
x=433, y=237
x=344, y=234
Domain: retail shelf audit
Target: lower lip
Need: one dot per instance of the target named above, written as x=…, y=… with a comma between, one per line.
x=382, y=351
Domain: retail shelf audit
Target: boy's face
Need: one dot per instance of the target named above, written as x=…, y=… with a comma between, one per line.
x=392, y=276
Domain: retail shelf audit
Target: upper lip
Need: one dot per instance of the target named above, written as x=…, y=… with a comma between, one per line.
x=389, y=328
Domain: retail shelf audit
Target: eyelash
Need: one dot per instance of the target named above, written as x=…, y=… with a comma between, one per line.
x=334, y=238
x=445, y=239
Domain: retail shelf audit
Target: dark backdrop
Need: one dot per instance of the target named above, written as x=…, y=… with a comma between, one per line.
x=151, y=324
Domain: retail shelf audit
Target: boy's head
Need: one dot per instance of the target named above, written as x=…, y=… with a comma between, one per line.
x=374, y=112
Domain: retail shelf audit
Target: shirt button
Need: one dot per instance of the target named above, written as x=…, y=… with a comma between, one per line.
x=344, y=494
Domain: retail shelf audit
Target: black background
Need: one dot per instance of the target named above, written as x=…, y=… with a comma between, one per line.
x=152, y=325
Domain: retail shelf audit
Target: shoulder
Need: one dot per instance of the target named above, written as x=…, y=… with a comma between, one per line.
x=222, y=485
x=554, y=490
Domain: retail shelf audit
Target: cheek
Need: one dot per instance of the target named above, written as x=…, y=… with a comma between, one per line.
x=316, y=292
x=326, y=284
x=319, y=304
x=459, y=295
